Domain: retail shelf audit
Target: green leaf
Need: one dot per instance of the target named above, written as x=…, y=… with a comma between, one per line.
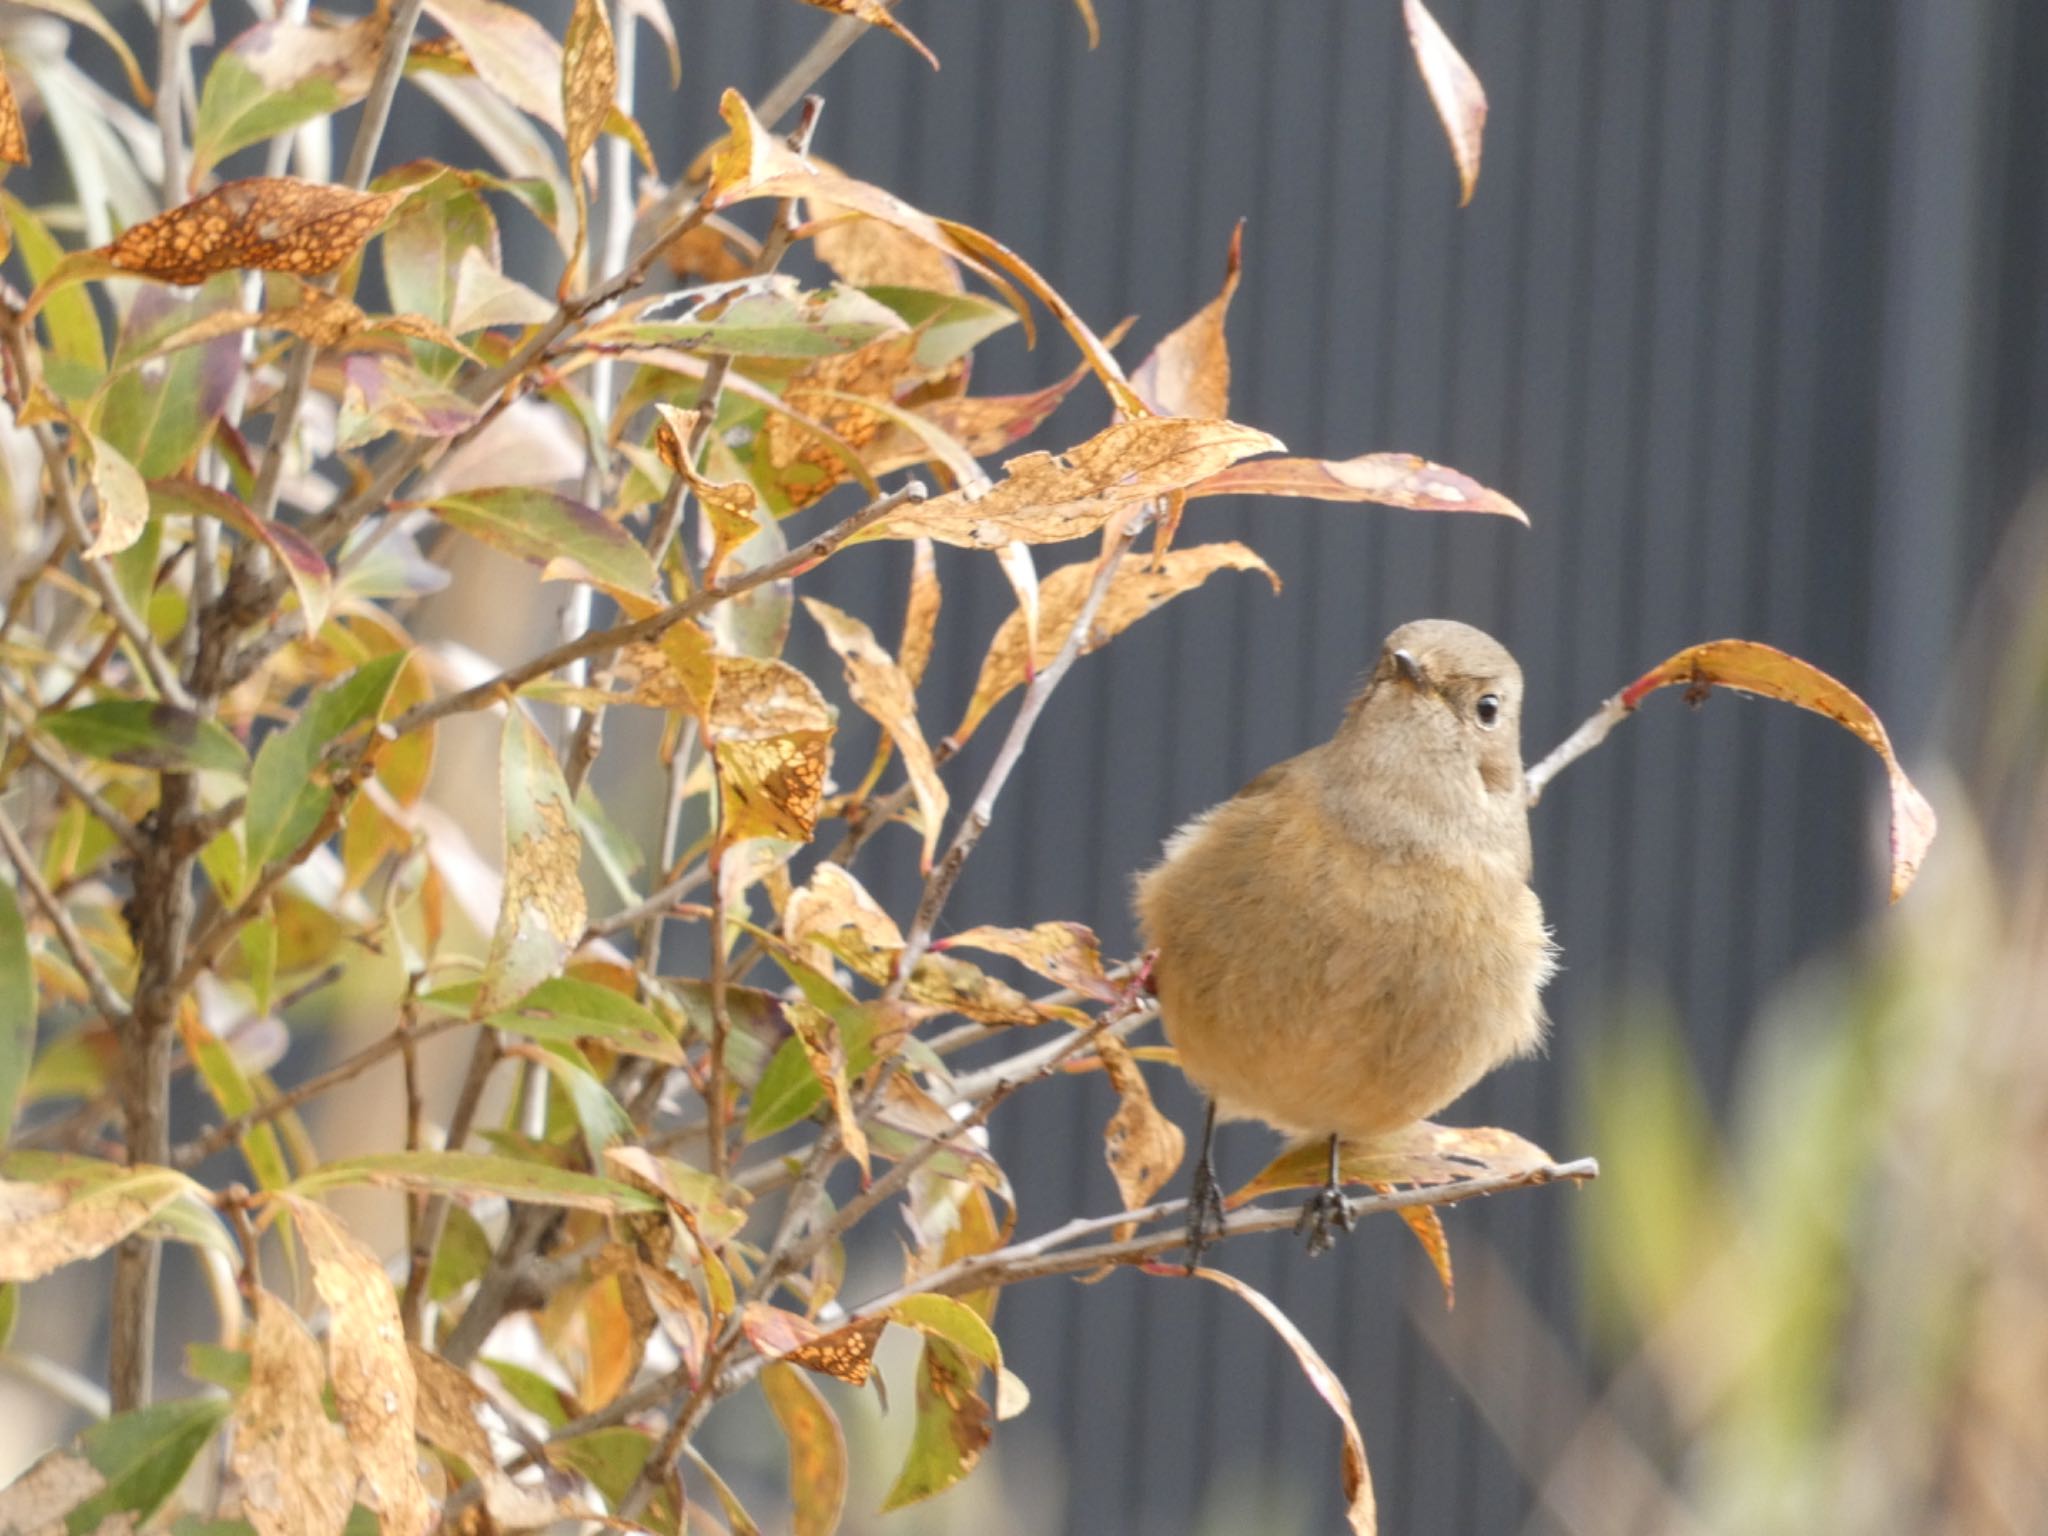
x=310, y=574
x=276, y=76
x=144, y=1455
x=565, y=538
x=479, y=1173
x=286, y=795
x=464, y=1250
x=76, y=361
x=17, y=1006
x=599, y=1116
x=952, y=1429
x=147, y=734
x=566, y=1009
x=160, y=411
x=784, y=323
x=950, y=324
x=218, y=1366
x=435, y=234
x=529, y=1389
x=944, y=1317
x=817, y=1449
x=135, y=567
x=232, y=1092
x=610, y=1458
x=10, y=1311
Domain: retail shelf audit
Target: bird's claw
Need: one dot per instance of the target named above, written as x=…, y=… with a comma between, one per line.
x=1326, y=1208
x=1205, y=1212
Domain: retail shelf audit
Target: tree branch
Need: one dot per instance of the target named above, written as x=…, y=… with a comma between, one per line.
x=1575, y=746
x=104, y=995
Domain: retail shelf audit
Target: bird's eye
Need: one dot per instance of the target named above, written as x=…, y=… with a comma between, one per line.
x=1488, y=709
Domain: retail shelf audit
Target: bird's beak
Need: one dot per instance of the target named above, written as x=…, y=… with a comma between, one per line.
x=1411, y=669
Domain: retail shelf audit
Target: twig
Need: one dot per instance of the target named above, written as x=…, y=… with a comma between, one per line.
x=512, y=678
x=104, y=996
x=170, y=99
x=669, y=894
x=1575, y=746
x=86, y=795
x=1027, y=1064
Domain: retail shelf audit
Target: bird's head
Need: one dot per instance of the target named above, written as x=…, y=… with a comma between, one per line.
x=1444, y=699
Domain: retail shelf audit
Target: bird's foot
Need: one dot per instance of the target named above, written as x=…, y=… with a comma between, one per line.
x=1325, y=1209
x=1205, y=1212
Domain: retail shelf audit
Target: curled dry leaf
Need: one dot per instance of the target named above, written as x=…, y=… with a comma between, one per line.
x=867, y=252
x=1044, y=498
x=1188, y=373
x=879, y=687
x=772, y=732
x=920, y=613
x=1428, y=1228
x=451, y=1411
x=1087, y=10
x=122, y=496
x=876, y=13
x=817, y=1450
x=1763, y=669
x=1460, y=99
x=1063, y=952
x=262, y=224
x=297, y=1472
x=817, y=1032
x=13, y=135
x=1424, y=1153
x=1136, y=591
x=590, y=79
x=374, y=1385
x=544, y=911
x=1391, y=479
x=730, y=507
x=64, y=1209
x=834, y=911
x=1359, y=1507
x=1143, y=1147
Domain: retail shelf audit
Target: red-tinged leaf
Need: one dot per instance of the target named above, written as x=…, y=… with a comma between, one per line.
x=544, y=910
x=1062, y=952
x=817, y=1450
x=1045, y=498
x=568, y=540
x=297, y=1472
x=876, y=13
x=1391, y=479
x=262, y=224
x=1188, y=373
x=510, y=51
x=1761, y=669
x=1460, y=99
x=58, y=1210
x=1421, y=1154
x=383, y=394
x=1137, y=589
x=1359, y=1508
x=879, y=687
x=953, y=1426
x=311, y=577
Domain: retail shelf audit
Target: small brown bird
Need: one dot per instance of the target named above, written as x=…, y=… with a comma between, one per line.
x=1351, y=942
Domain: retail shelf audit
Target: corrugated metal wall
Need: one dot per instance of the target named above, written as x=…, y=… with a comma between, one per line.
x=1746, y=313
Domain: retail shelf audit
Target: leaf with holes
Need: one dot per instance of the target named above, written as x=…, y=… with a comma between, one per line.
x=1138, y=588
x=772, y=732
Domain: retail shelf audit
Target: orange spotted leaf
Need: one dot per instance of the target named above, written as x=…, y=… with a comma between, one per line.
x=262, y=224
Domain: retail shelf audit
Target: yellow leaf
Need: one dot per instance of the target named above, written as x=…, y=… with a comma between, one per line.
x=1460, y=100
x=1044, y=497
x=1188, y=373
x=544, y=910
x=123, y=498
x=262, y=224
x=374, y=1385
x=13, y=136
x=1421, y=1154
x=1066, y=953
x=772, y=732
x=590, y=81
x=76, y=1209
x=451, y=1412
x=1763, y=669
x=1136, y=591
x=1391, y=479
x=867, y=252
x=817, y=1450
x=920, y=613
x=834, y=910
x=1428, y=1228
x=876, y=13
x=879, y=687
x=1143, y=1147
x=1087, y=10
x=297, y=1473
x=730, y=505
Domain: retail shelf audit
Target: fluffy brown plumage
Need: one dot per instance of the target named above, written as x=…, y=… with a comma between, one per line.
x=1351, y=942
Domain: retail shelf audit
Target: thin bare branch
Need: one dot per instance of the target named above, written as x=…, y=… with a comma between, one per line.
x=1575, y=746
x=105, y=997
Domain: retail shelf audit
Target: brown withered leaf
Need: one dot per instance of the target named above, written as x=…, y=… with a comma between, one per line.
x=13, y=135
x=845, y=395
x=450, y=1411
x=920, y=612
x=1752, y=667
x=1390, y=479
x=817, y=1450
x=948, y=982
x=708, y=253
x=1063, y=952
x=374, y=1386
x=76, y=1210
x=1136, y=591
x=590, y=80
x=1460, y=99
x=261, y=224
x=298, y=1475
x=1421, y=1154
x=866, y=252
x=833, y=911
x=1360, y=1511
x=879, y=687
x=846, y=1354
x=678, y=671
x=1087, y=10
x=1142, y=1147
x=38, y=1502
x=983, y=424
x=876, y=13
x=1043, y=497
x=1188, y=373
x=731, y=506
x=772, y=732
x=818, y=1034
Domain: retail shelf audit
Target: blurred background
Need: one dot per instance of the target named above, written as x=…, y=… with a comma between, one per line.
x=1748, y=313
